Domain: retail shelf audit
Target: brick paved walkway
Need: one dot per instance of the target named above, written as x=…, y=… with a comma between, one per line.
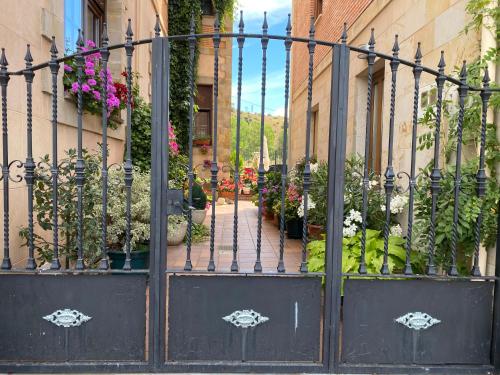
x=247, y=239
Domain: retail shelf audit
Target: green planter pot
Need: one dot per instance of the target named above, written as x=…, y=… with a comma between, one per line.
x=294, y=228
x=139, y=258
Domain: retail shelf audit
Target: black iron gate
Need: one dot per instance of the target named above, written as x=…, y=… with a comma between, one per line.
x=217, y=320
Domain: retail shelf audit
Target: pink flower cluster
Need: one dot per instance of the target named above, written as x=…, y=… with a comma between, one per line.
x=173, y=146
x=93, y=78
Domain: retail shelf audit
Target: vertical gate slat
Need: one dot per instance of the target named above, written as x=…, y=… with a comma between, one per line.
x=436, y=172
x=4, y=80
x=284, y=166
x=260, y=181
x=29, y=165
x=214, y=170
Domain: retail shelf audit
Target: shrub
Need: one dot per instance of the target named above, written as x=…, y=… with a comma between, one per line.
x=199, y=197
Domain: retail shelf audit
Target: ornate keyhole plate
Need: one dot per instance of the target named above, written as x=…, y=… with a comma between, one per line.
x=67, y=318
x=417, y=320
x=245, y=318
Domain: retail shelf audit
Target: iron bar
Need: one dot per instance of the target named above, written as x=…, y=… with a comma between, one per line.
x=417, y=71
x=192, y=44
x=389, y=172
x=4, y=80
x=366, y=171
x=307, y=167
x=157, y=28
x=104, y=264
x=129, y=50
x=436, y=172
x=54, y=69
x=214, y=169
x=241, y=42
x=80, y=164
x=284, y=166
x=462, y=94
x=29, y=165
x=260, y=180
x=481, y=174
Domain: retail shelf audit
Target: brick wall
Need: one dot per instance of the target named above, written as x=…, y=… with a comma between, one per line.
x=328, y=27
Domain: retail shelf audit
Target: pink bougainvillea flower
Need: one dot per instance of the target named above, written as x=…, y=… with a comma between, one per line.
x=174, y=147
x=85, y=87
x=74, y=87
x=97, y=95
x=91, y=82
x=90, y=72
x=90, y=43
x=89, y=64
x=67, y=68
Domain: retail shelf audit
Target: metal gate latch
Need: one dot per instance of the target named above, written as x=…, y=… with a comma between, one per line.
x=417, y=320
x=245, y=318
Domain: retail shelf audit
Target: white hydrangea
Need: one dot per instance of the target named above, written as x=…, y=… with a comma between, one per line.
x=396, y=230
x=310, y=204
x=314, y=167
x=350, y=231
x=355, y=216
x=398, y=204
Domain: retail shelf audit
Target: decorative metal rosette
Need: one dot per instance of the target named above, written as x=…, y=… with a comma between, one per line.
x=417, y=320
x=245, y=318
x=67, y=318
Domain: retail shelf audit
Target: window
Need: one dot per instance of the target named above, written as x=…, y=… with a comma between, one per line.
x=203, y=118
x=318, y=8
x=207, y=8
x=375, y=153
x=90, y=13
x=95, y=20
x=72, y=22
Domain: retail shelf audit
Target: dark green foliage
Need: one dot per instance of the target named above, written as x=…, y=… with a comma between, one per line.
x=141, y=134
x=199, y=197
x=67, y=211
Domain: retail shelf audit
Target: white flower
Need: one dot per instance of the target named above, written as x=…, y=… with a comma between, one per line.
x=349, y=231
x=310, y=204
x=373, y=183
x=314, y=167
x=398, y=204
x=396, y=230
x=355, y=216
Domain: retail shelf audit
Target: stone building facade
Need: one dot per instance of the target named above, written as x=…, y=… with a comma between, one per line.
x=437, y=25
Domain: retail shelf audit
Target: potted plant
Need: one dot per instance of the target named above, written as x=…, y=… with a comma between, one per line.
x=248, y=179
x=139, y=219
x=202, y=140
x=226, y=188
x=177, y=228
x=199, y=209
x=294, y=212
x=316, y=223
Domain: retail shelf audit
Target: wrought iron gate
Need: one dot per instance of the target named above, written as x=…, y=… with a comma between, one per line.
x=217, y=320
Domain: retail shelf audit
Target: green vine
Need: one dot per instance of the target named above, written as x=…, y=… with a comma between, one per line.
x=179, y=21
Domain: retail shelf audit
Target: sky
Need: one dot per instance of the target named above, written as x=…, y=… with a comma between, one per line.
x=253, y=16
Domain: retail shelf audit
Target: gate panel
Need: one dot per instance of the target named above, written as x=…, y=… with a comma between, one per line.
x=111, y=327
x=456, y=327
x=201, y=326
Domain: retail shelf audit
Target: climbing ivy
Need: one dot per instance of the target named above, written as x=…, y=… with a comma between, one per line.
x=179, y=21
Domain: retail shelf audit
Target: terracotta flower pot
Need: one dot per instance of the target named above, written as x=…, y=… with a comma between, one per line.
x=315, y=232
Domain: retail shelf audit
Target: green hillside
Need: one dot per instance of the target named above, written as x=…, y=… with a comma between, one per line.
x=250, y=135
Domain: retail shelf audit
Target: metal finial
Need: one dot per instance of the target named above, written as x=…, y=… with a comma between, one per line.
x=312, y=30
x=343, y=37
x=264, y=24
x=191, y=25
x=395, y=47
x=129, y=32
x=3, y=59
x=79, y=42
x=463, y=72
x=418, y=55
x=441, y=63
x=371, y=42
x=28, y=58
x=217, y=22
x=53, y=48
x=241, y=24
x=486, y=78
x=105, y=38
x=289, y=25
x=157, y=26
